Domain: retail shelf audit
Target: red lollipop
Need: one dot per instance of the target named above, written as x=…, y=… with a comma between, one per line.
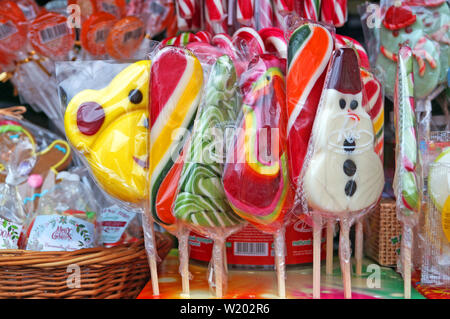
x=13, y=28
x=50, y=35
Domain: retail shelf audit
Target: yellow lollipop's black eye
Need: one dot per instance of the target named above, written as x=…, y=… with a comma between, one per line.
x=135, y=96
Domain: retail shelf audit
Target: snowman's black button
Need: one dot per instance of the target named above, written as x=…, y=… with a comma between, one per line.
x=353, y=104
x=342, y=103
x=350, y=188
x=349, y=146
x=349, y=168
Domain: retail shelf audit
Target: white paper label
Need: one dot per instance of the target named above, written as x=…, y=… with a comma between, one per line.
x=114, y=221
x=60, y=233
x=9, y=234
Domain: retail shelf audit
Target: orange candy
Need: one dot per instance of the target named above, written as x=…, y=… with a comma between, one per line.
x=50, y=35
x=115, y=7
x=13, y=27
x=125, y=37
x=94, y=32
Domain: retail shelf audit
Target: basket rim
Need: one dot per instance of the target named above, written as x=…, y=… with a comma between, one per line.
x=82, y=257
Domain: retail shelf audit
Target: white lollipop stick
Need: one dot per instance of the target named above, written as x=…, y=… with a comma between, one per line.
x=345, y=255
x=280, y=247
x=317, y=236
x=150, y=247
x=359, y=243
x=330, y=235
x=183, y=250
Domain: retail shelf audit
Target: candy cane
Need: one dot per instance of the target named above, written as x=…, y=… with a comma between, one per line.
x=263, y=14
x=216, y=9
x=311, y=9
x=283, y=6
x=186, y=8
x=245, y=11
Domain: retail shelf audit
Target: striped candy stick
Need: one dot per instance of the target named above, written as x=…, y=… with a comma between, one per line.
x=216, y=9
x=274, y=41
x=182, y=23
x=334, y=12
x=309, y=51
x=263, y=14
x=257, y=185
x=407, y=182
x=245, y=10
x=283, y=6
x=345, y=41
x=186, y=8
x=311, y=9
x=176, y=80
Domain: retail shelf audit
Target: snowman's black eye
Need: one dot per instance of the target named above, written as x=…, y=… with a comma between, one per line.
x=268, y=77
x=342, y=103
x=353, y=104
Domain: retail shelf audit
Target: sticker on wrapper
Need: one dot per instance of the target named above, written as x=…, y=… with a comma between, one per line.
x=60, y=233
x=13, y=28
x=114, y=221
x=9, y=234
x=125, y=37
x=95, y=31
x=50, y=35
x=115, y=7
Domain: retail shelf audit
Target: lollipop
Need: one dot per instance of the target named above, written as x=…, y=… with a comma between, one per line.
x=109, y=127
x=373, y=102
x=201, y=202
x=176, y=81
x=309, y=51
x=344, y=176
x=255, y=178
x=407, y=162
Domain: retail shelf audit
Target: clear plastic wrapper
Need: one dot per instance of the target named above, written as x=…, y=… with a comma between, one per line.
x=408, y=179
x=106, y=121
x=159, y=16
x=435, y=226
x=175, y=97
x=65, y=218
x=28, y=155
x=201, y=203
x=342, y=175
x=255, y=176
x=424, y=26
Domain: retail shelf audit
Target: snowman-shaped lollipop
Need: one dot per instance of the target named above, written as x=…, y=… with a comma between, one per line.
x=410, y=24
x=343, y=177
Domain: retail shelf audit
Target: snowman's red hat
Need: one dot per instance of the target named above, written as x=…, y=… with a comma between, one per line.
x=398, y=17
x=345, y=75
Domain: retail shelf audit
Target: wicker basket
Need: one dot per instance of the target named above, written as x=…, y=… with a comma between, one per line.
x=117, y=272
x=383, y=233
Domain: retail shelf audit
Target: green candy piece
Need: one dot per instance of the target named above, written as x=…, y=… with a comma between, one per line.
x=201, y=200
